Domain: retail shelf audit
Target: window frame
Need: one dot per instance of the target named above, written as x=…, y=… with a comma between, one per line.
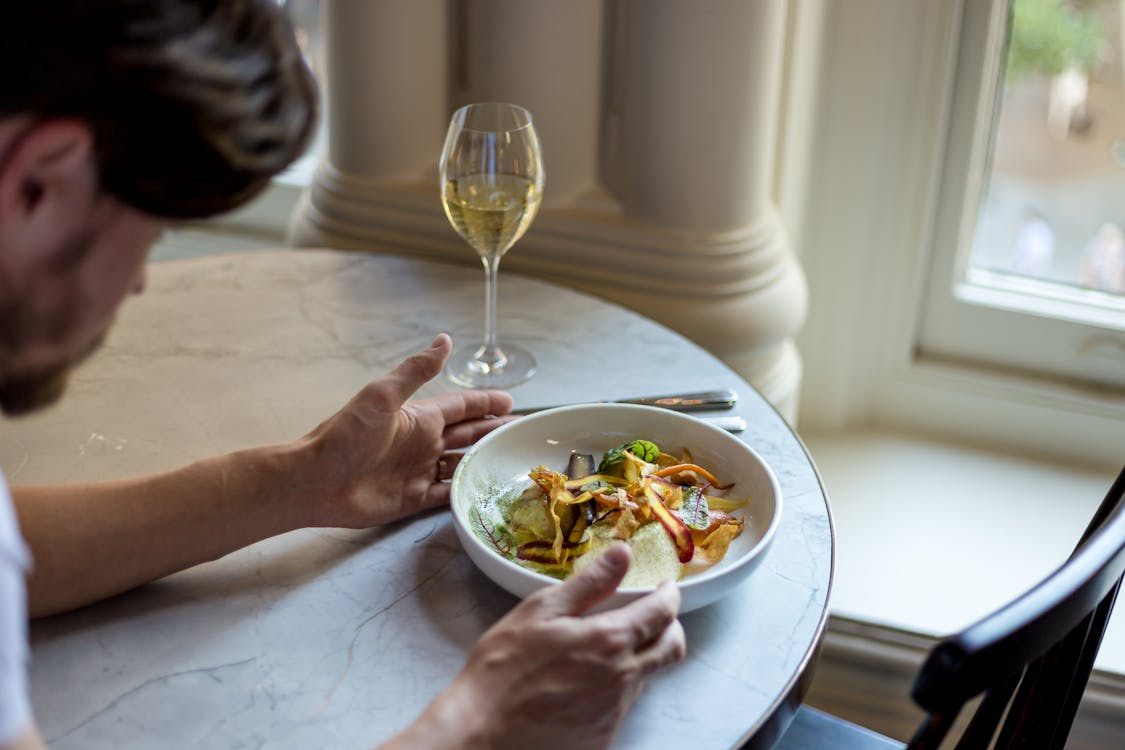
x=1032, y=326
x=879, y=206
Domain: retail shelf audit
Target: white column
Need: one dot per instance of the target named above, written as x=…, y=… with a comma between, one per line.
x=694, y=109
x=385, y=63
x=544, y=55
x=700, y=111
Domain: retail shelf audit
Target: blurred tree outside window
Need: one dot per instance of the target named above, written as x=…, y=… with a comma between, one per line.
x=1055, y=199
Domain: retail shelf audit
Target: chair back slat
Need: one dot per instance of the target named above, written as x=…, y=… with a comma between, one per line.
x=1082, y=667
x=1050, y=636
x=986, y=719
x=1031, y=721
x=933, y=730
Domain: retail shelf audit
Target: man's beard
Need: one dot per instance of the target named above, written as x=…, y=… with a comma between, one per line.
x=27, y=393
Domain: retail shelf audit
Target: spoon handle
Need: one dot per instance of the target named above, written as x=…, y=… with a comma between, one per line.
x=730, y=424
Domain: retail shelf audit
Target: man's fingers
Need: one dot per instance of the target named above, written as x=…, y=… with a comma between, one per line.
x=465, y=405
x=592, y=585
x=646, y=618
x=436, y=496
x=416, y=370
x=464, y=434
x=669, y=647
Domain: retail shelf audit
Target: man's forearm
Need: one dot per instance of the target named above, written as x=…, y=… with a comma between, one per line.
x=458, y=719
x=91, y=541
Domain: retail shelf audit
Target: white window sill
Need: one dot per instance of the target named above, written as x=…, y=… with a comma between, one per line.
x=931, y=536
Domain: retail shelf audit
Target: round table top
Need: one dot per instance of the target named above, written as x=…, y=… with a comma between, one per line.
x=330, y=637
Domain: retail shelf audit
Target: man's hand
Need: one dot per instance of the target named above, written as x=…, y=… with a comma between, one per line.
x=549, y=675
x=377, y=460
x=380, y=458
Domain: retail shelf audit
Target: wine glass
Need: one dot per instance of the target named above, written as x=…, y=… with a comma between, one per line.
x=491, y=187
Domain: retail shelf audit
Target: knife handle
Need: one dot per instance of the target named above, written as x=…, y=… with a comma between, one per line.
x=704, y=400
x=701, y=401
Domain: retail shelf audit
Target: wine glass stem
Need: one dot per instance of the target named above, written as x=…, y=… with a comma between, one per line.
x=489, y=352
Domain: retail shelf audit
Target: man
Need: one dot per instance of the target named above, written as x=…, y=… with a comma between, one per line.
x=117, y=118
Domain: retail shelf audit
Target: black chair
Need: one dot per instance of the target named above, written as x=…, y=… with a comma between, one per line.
x=1029, y=661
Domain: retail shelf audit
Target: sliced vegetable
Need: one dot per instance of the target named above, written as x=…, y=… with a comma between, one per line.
x=568, y=519
x=602, y=480
x=714, y=547
x=528, y=517
x=681, y=535
x=633, y=468
x=671, y=494
x=625, y=525
x=672, y=471
x=556, y=486
x=584, y=517
x=544, y=552
x=545, y=478
x=723, y=503
x=580, y=464
x=615, y=499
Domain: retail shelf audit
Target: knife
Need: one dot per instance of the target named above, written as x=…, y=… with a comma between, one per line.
x=701, y=401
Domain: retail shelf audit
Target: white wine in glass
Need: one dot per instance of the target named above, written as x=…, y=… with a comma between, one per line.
x=491, y=187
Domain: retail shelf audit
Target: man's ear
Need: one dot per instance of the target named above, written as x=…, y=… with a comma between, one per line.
x=47, y=174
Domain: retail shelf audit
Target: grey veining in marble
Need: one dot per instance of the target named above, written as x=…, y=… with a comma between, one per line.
x=333, y=638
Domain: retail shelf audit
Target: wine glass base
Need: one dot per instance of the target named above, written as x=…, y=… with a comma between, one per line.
x=467, y=370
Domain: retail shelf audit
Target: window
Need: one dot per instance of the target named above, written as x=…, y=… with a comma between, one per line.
x=908, y=327
x=1033, y=276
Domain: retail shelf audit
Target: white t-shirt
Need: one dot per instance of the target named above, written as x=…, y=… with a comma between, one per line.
x=15, y=709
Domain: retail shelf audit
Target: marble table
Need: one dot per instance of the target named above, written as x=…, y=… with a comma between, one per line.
x=336, y=638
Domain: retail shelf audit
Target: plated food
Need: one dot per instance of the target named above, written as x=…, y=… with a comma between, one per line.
x=497, y=468
x=678, y=516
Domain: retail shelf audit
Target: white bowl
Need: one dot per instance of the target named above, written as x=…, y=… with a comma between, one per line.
x=500, y=462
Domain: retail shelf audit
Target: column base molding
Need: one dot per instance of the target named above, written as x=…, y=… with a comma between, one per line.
x=741, y=294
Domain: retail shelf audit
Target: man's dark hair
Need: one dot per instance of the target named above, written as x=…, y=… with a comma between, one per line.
x=194, y=106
